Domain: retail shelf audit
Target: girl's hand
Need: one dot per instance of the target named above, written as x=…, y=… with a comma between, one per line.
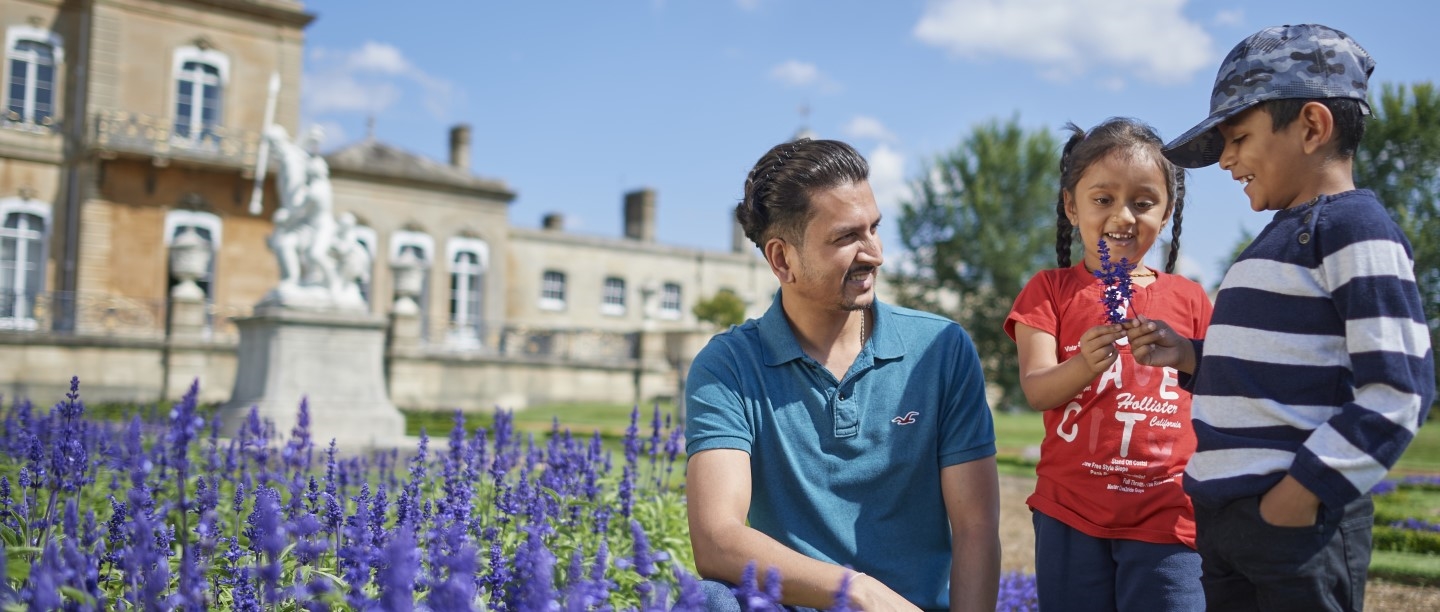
x=1097, y=347
x=1154, y=343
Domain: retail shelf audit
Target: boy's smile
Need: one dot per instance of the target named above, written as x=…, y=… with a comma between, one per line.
x=1269, y=165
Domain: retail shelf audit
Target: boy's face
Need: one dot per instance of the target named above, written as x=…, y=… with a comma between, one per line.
x=1270, y=164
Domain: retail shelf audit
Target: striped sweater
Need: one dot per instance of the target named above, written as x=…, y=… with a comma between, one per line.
x=1318, y=360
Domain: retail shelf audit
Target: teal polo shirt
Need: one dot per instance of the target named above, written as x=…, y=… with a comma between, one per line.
x=848, y=471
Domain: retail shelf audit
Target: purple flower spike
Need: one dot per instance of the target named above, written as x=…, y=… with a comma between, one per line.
x=1115, y=278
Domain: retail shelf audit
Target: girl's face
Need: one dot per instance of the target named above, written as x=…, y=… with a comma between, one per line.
x=1121, y=197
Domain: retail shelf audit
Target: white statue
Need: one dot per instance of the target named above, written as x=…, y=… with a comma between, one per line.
x=306, y=240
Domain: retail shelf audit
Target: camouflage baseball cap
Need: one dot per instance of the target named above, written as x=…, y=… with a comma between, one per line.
x=1308, y=61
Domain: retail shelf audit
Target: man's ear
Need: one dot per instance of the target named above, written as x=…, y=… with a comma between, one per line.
x=1317, y=127
x=777, y=253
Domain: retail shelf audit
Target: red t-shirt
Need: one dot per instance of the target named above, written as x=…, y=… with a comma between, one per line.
x=1112, y=458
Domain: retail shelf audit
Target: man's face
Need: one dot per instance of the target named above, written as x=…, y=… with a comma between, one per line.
x=835, y=268
x=1268, y=163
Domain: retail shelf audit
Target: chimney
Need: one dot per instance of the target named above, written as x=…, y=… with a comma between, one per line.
x=738, y=242
x=553, y=222
x=460, y=146
x=640, y=215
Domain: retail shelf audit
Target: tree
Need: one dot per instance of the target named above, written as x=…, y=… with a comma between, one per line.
x=980, y=222
x=721, y=310
x=1399, y=159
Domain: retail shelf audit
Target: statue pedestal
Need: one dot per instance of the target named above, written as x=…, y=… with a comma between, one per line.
x=335, y=360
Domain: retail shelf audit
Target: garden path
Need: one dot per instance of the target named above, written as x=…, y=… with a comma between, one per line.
x=1017, y=541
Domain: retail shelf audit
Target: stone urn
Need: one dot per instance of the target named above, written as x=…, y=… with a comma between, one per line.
x=408, y=271
x=189, y=262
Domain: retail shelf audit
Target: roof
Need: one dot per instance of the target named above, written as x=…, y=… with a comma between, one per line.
x=374, y=158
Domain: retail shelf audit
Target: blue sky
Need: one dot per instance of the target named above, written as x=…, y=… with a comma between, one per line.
x=574, y=103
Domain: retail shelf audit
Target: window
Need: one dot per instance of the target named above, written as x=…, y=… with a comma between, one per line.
x=670, y=301
x=552, y=290
x=23, y=230
x=200, y=77
x=469, y=259
x=420, y=245
x=31, y=57
x=612, y=296
x=207, y=226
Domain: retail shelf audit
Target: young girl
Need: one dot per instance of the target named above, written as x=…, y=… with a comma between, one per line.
x=1113, y=527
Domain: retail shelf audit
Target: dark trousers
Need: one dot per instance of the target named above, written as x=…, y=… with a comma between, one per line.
x=1075, y=572
x=1249, y=564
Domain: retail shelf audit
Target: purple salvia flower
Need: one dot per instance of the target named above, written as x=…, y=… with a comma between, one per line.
x=1115, y=278
x=396, y=576
x=497, y=576
x=1017, y=593
x=691, y=598
x=457, y=592
x=268, y=540
x=632, y=437
x=534, y=575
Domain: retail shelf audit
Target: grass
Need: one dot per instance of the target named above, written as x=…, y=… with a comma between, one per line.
x=1423, y=454
x=1406, y=568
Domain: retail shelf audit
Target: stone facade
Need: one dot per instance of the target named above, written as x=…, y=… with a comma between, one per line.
x=99, y=174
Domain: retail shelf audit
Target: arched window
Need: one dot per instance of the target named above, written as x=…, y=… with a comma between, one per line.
x=207, y=226
x=31, y=57
x=469, y=259
x=24, y=228
x=552, y=290
x=422, y=246
x=200, y=78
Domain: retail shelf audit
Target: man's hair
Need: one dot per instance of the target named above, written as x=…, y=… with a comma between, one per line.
x=1349, y=119
x=778, y=189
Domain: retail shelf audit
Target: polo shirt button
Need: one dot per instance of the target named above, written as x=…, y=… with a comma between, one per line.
x=1305, y=238
x=1307, y=218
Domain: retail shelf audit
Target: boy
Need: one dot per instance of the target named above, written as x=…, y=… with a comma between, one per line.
x=1317, y=369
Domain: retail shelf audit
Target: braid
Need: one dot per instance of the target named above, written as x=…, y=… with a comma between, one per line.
x=1064, y=230
x=1178, y=217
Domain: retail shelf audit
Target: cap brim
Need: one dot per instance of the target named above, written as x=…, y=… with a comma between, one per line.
x=1201, y=145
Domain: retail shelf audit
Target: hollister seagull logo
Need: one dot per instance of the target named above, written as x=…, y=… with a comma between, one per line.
x=908, y=419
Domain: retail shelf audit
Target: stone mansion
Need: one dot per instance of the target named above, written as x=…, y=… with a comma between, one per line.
x=127, y=123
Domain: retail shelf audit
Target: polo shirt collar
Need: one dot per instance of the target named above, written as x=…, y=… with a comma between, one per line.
x=780, y=345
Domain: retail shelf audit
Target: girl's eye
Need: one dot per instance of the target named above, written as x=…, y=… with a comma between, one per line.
x=1145, y=205
x=1103, y=200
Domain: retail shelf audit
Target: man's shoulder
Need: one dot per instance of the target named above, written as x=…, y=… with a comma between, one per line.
x=738, y=339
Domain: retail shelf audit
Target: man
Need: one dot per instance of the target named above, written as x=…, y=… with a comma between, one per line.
x=838, y=439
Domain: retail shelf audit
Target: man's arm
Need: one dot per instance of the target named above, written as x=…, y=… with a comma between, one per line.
x=972, y=502
x=717, y=491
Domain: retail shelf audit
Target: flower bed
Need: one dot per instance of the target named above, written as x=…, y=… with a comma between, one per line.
x=167, y=515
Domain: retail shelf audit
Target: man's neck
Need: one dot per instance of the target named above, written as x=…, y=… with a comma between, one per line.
x=832, y=337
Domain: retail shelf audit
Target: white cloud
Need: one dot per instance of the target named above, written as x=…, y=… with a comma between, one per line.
x=379, y=57
x=1064, y=39
x=371, y=79
x=1230, y=17
x=795, y=73
x=861, y=126
x=887, y=178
